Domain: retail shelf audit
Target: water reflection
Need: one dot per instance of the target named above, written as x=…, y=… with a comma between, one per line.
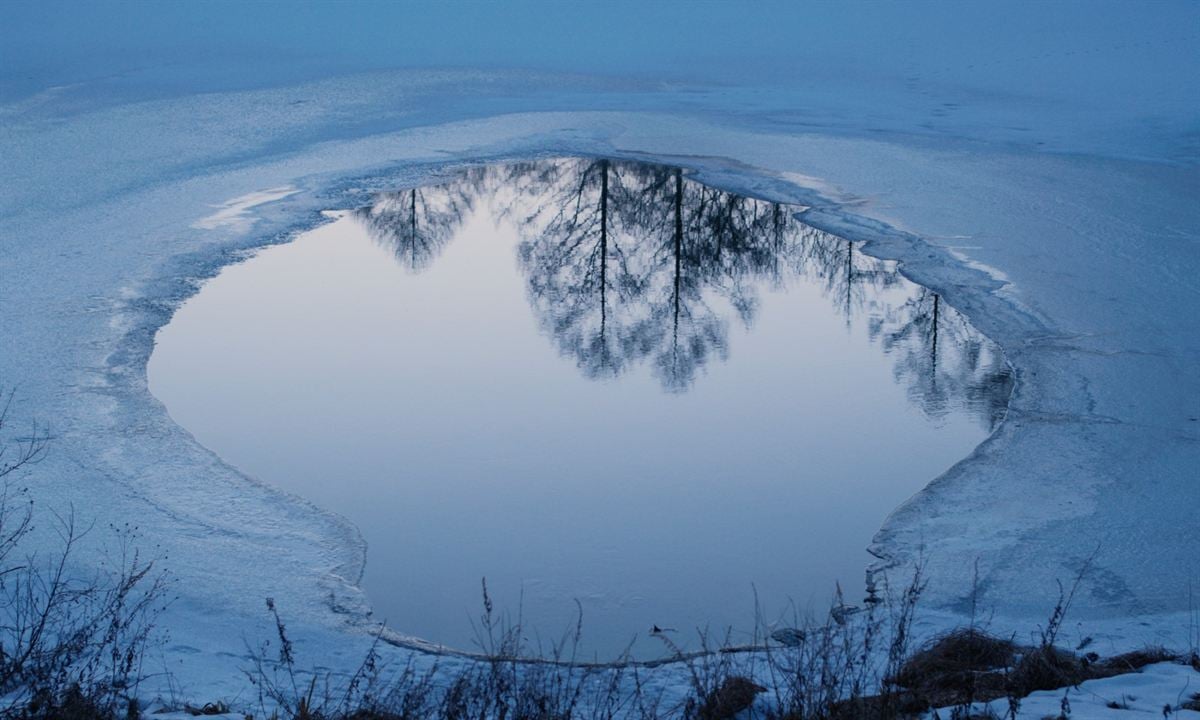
x=630, y=263
x=416, y=224
x=609, y=384
x=943, y=359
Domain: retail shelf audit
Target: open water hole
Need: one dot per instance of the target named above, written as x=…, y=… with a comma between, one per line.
x=601, y=385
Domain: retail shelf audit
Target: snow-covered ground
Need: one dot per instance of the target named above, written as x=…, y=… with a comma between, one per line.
x=1157, y=691
x=1036, y=165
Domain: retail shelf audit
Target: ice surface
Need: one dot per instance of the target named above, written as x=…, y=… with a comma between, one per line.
x=1055, y=144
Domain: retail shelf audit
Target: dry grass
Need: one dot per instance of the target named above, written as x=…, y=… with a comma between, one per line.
x=1133, y=661
x=968, y=665
x=957, y=668
x=734, y=695
x=855, y=664
x=1191, y=704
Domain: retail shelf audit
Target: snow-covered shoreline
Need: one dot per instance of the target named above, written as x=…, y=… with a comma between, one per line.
x=1099, y=449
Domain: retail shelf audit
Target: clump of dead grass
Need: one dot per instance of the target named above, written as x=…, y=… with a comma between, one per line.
x=959, y=667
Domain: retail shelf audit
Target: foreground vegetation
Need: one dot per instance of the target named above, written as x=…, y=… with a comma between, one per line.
x=71, y=646
x=855, y=664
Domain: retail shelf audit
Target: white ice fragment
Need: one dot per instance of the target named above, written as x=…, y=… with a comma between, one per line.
x=235, y=213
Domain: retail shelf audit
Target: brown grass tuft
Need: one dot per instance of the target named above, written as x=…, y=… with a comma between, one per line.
x=959, y=667
x=1047, y=668
x=1133, y=661
x=733, y=696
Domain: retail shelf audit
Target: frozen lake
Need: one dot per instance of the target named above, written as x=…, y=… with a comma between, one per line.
x=584, y=380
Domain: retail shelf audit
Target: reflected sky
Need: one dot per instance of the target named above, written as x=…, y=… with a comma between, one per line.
x=584, y=379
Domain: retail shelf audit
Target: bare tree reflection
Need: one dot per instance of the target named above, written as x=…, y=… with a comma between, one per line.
x=681, y=330
x=855, y=283
x=417, y=224
x=629, y=264
x=578, y=268
x=671, y=259
x=942, y=359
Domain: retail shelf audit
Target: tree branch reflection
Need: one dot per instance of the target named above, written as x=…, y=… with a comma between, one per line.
x=629, y=264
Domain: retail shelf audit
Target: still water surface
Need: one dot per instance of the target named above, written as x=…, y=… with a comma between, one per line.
x=585, y=380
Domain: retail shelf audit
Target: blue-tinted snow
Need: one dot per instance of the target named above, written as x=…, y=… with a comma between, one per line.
x=1041, y=155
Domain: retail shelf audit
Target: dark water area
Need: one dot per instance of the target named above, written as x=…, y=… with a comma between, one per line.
x=601, y=385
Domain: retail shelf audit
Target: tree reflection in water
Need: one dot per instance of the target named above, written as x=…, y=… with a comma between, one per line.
x=630, y=263
x=416, y=224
